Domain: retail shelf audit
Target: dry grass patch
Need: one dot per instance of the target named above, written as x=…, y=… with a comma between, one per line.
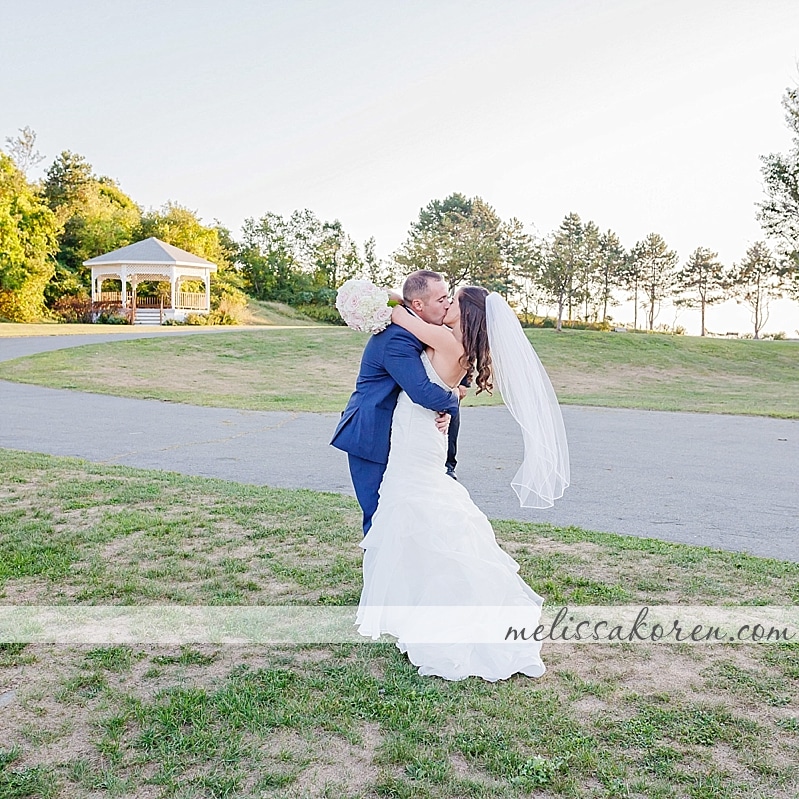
x=315, y=370
x=356, y=720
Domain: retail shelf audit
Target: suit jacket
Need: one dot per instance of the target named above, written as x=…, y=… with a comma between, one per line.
x=390, y=363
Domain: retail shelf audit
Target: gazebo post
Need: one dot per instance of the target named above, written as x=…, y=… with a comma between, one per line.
x=173, y=280
x=123, y=277
x=208, y=291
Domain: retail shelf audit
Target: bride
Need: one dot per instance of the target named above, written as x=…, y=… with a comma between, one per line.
x=434, y=576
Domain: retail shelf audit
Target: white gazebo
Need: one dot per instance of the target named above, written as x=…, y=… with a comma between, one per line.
x=152, y=259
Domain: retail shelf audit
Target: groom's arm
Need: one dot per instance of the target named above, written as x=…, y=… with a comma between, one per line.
x=403, y=362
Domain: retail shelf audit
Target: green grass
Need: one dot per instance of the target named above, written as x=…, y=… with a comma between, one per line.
x=315, y=370
x=268, y=312
x=356, y=720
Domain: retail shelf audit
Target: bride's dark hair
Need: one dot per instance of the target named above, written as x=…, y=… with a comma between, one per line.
x=476, y=353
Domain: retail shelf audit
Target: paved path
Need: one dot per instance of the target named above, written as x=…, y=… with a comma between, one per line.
x=723, y=481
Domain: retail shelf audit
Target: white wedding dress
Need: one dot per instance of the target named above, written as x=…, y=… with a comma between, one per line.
x=434, y=576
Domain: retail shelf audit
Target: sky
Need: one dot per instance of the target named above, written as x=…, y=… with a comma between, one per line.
x=642, y=115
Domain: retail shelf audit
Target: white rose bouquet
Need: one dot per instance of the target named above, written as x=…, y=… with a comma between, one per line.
x=364, y=306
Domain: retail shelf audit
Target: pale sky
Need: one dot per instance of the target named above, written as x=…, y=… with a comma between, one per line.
x=643, y=116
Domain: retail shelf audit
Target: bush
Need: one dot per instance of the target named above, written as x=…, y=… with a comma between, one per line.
x=221, y=317
x=107, y=313
x=579, y=325
x=24, y=304
x=322, y=313
x=530, y=320
x=73, y=309
x=218, y=317
x=112, y=318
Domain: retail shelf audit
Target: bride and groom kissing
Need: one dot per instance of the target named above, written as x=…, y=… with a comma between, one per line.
x=431, y=560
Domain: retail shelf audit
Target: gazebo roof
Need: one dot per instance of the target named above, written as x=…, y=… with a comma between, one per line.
x=150, y=251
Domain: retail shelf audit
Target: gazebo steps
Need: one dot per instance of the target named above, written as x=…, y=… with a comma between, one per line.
x=147, y=316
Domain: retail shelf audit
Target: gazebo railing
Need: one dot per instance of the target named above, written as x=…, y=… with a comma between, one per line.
x=186, y=300
x=192, y=300
x=141, y=301
x=152, y=302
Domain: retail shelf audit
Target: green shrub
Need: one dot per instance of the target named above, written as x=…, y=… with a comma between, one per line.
x=531, y=320
x=218, y=317
x=322, y=313
x=111, y=316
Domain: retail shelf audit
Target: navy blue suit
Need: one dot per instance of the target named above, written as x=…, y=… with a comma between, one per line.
x=391, y=362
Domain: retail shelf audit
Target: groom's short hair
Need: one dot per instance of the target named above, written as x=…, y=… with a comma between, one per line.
x=416, y=285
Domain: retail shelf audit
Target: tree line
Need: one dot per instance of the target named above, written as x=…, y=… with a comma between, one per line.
x=578, y=271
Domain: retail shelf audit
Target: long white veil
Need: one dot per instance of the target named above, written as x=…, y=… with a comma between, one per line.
x=529, y=396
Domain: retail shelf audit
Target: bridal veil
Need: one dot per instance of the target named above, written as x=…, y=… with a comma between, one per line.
x=528, y=394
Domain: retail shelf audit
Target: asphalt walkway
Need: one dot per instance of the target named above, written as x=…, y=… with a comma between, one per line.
x=730, y=482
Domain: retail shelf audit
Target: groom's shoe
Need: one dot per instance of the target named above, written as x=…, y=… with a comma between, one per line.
x=451, y=473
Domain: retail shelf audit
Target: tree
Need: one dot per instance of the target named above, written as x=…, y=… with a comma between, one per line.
x=755, y=281
x=304, y=233
x=268, y=265
x=180, y=226
x=520, y=257
x=28, y=240
x=298, y=260
x=382, y=273
x=655, y=269
x=562, y=260
x=22, y=150
x=702, y=281
x=611, y=267
x=67, y=178
x=527, y=262
x=459, y=237
x=372, y=268
x=582, y=268
x=779, y=212
x=589, y=269
x=631, y=275
x=227, y=284
x=336, y=257
x=95, y=215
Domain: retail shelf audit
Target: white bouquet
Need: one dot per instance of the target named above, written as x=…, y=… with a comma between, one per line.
x=364, y=306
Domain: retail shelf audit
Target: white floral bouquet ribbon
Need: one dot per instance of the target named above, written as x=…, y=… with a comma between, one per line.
x=364, y=306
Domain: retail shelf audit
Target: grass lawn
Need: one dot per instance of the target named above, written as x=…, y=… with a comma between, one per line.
x=315, y=369
x=670, y=721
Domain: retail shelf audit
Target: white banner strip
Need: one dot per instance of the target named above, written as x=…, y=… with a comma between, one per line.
x=291, y=624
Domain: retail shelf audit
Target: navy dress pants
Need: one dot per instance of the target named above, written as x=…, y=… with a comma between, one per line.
x=366, y=478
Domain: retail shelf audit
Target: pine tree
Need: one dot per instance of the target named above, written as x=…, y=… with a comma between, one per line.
x=702, y=282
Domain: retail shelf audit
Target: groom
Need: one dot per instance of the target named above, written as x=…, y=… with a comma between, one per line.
x=391, y=362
